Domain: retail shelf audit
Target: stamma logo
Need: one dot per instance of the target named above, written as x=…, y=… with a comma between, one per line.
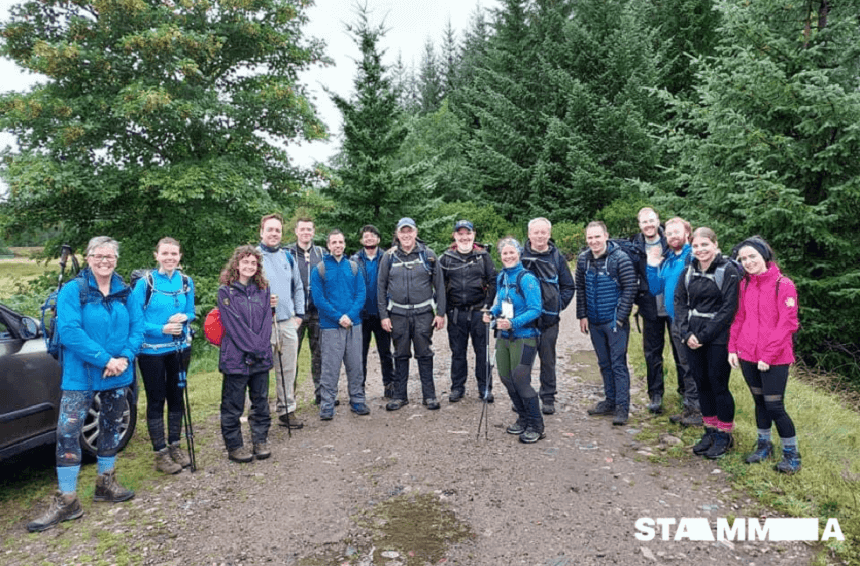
x=699, y=529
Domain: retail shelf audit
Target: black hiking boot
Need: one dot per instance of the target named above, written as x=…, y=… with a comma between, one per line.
x=705, y=442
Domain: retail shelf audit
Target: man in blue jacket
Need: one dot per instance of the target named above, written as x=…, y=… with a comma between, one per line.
x=664, y=271
x=339, y=292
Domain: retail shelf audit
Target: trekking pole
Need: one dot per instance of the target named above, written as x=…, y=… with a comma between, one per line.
x=281, y=365
x=485, y=416
x=186, y=409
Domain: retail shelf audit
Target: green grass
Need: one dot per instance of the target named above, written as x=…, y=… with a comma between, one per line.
x=828, y=434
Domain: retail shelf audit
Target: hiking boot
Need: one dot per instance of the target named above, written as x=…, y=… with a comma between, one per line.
x=432, y=404
x=518, y=427
x=290, y=420
x=602, y=408
x=692, y=418
x=164, y=463
x=455, y=396
x=676, y=418
x=326, y=412
x=763, y=451
x=396, y=404
x=261, y=450
x=531, y=435
x=705, y=442
x=359, y=408
x=722, y=442
x=548, y=407
x=621, y=416
x=656, y=404
x=178, y=454
x=790, y=461
x=64, y=507
x=108, y=489
x=241, y=455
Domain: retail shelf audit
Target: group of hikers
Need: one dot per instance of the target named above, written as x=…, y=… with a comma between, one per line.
x=720, y=312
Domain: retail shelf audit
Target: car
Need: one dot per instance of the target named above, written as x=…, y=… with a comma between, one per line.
x=30, y=380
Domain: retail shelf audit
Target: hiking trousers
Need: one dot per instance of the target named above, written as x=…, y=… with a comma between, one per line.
x=413, y=331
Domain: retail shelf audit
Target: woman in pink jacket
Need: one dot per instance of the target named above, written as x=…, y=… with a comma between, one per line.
x=760, y=343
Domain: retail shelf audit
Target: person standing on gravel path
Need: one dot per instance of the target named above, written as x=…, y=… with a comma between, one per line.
x=369, y=259
x=339, y=291
x=288, y=300
x=307, y=255
x=663, y=271
x=706, y=299
x=655, y=320
x=410, y=289
x=606, y=287
x=470, y=286
x=543, y=259
x=246, y=353
x=516, y=309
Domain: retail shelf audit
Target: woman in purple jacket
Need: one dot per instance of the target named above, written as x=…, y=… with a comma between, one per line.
x=246, y=355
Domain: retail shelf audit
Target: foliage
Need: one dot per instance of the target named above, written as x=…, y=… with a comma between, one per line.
x=156, y=119
x=769, y=147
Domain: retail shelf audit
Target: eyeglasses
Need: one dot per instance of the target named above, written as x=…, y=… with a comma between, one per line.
x=99, y=258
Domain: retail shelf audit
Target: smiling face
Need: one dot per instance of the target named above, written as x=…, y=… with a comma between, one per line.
x=406, y=236
x=676, y=235
x=704, y=249
x=465, y=239
x=247, y=268
x=753, y=262
x=272, y=232
x=510, y=256
x=336, y=245
x=305, y=233
x=539, y=235
x=596, y=238
x=102, y=261
x=168, y=257
x=369, y=240
x=649, y=224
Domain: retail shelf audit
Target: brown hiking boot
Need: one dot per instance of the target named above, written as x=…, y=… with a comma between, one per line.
x=64, y=507
x=178, y=455
x=164, y=463
x=692, y=419
x=261, y=450
x=108, y=489
x=240, y=454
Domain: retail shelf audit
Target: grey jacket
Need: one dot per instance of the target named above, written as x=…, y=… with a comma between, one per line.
x=410, y=282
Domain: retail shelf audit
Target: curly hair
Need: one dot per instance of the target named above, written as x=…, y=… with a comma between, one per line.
x=230, y=273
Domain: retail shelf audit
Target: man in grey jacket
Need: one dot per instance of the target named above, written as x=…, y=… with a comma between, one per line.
x=288, y=300
x=410, y=288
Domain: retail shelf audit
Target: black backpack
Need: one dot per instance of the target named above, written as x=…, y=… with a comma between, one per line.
x=550, y=292
x=49, y=307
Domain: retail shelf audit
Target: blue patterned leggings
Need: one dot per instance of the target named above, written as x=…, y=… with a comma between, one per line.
x=74, y=406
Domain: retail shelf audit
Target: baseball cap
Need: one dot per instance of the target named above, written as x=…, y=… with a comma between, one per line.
x=406, y=221
x=464, y=224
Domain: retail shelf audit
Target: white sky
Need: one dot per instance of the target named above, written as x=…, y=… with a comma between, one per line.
x=410, y=23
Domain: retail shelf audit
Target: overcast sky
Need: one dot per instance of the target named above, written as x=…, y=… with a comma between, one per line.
x=410, y=23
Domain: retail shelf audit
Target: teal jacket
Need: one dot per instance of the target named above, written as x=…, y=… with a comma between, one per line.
x=104, y=327
x=167, y=298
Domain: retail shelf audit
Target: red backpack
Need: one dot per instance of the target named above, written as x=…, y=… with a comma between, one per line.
x=212, y=327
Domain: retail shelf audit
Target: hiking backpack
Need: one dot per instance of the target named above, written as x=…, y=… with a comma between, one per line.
x=546, y=273
x=321, y=268
x=517, y=286
x=49, y=307
x=146, y=274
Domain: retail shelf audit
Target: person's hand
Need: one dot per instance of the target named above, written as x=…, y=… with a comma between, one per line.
x=655, y=256
x=179, y=317
x=503, y=324
x=345, y=321
x=733, y=360
x=172, y=328
x=386, y=324
x=583, y=325
x=439, y=322
x=486, y=318
x=297, y=321
x=693, y=342
x=763, y=366
x=273, y=301
x=115, y=367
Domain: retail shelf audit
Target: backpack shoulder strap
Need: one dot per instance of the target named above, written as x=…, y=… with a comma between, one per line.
x=354, y=266
x=321, y=269
x=150, y=285
x=83, y=290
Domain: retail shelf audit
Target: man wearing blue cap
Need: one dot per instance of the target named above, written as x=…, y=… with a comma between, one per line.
x=409, y=289
x=470, y=285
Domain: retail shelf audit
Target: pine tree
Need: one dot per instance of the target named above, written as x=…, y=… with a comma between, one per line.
x=430, y=87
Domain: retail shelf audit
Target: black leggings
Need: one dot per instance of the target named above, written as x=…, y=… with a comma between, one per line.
x=710, y=367
x=161, y=381
x=768, y=391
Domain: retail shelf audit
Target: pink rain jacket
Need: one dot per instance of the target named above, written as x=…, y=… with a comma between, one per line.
x=766, y=318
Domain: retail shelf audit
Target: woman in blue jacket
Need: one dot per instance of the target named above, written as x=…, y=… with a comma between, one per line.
x=100, y=327
x=167, y=297
x=516, y=309
x=246, y=354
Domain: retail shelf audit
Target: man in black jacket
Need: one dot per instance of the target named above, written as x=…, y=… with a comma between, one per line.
x=470, y=285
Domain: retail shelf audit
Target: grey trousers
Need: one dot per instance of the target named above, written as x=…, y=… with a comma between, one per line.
x=341, y=345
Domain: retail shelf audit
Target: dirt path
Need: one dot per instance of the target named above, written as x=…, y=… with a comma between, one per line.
x=415, y=486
